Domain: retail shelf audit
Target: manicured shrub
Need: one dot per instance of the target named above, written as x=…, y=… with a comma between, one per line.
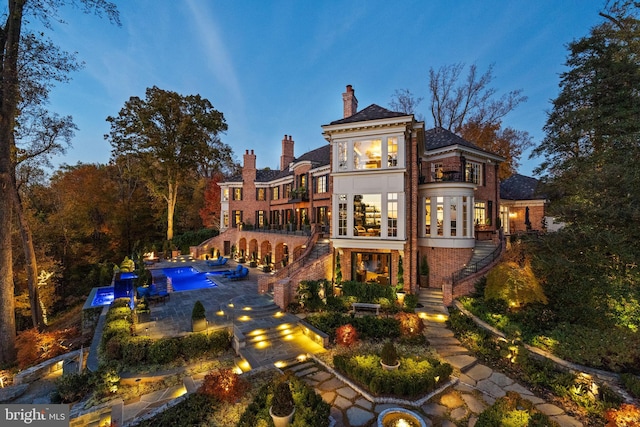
x=368, y=327
x=515, y=284
x=220, y=341
x=194, y=345
x=198, y=311
x=73, y=387
x=282, y=402
x=368, y=292
x=163, y=351
x=389, y=355
x=410, y=302
x=192, y=411
x=513, y=410
x=135, y=350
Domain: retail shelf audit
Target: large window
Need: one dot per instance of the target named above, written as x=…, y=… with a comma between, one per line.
x=260, y=194
x=480, y=213
x=453, y=215
x=367, y=214
x=392, y=214
x=371, y=267
x=321, y=184
x=473, y=173
x=440, y=215
x=342, y=215
x=237, y=194
x=275, y=193
x=287, y=190
x=367, y=154
x=225, y=194
x=237, y=218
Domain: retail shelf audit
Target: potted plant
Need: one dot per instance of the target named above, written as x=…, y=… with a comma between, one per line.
x=198, y=317
x=424, y=272
x=389, y=357
x=282, y=406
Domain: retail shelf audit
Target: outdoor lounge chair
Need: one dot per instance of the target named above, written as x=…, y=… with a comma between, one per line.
x=156, y=295
x=240, y=275
x=217, y=262
x=231, y=273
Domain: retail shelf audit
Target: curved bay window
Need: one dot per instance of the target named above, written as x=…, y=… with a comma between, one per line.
x=448, y=216
x=371, y=267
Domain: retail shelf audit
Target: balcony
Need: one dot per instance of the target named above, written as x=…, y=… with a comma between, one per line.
x=444, y=176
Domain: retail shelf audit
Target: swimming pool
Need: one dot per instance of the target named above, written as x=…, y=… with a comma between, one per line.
x=189, y=279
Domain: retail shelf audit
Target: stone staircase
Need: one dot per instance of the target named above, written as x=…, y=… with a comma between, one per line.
x=435, y=315
x=482, y=257
x=264, y=335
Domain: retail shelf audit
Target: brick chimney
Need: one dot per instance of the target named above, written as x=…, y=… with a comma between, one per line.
x=287, y=152
x=350, y=102
x=249, y=166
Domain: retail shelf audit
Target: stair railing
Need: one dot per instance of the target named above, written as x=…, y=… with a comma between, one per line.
x=476, y=266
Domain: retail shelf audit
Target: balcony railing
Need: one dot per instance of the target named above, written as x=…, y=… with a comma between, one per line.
x=444, y=176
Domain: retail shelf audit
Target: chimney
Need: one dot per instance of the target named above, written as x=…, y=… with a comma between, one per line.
x=350, y=102
x=249, y=166
x=287, y=152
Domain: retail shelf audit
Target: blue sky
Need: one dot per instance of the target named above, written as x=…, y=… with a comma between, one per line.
x=280, y=67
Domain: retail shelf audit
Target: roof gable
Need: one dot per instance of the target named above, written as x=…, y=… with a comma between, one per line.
x=440, y=137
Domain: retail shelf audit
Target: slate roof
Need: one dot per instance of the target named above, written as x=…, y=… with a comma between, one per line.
x=440, y=137
x=318, y=157
x=372, y=112
x=520, y=187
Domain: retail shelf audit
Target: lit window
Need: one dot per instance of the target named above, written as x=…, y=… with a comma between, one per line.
x=440, y=215
x=367, y=212
x=342, y=155
x=479, y=213
x=392, y=152
x=342, y=215
x=392, y=214
x=473, y=173
x=367, y=154
x=427, y=216
x=225, y=219
x=260, y=194
x=237, y=194
x=453, y=215
x=261, y=219
x=275, y=193
x=321, y=184
x=225, y=194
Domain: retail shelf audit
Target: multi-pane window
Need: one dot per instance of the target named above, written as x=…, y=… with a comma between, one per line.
x=237, y=194
x=342, y=215
x=260, y=219
x=479, y=213
x=275, y=193
x=465, y=232
x=453, y=215
x=287, y=191
x=392, y=214
x=440, y=215
x=427, y=216
x=342, y=155
x=322, y=215
x=473, y=173
x=367, y=154
x=438, y=171
x=225, y=194
x=225, y=219
x=392, y=152
x=321, y=184
x=260, y=194
x=237, y=218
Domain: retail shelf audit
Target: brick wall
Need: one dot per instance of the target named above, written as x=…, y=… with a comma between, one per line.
x=285, y=290
x=443, y=262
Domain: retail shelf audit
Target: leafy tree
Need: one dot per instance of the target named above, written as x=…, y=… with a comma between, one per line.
x=471, y=108
x=518, y=286
x=170, y=135
x=210, y=212
x=12, y=32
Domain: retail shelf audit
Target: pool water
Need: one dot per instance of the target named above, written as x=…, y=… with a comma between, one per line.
x=188, y=278
x=103, y=296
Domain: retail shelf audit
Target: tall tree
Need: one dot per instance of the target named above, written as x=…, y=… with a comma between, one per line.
x=170, y=135
x=469, y=106
x=10, y=38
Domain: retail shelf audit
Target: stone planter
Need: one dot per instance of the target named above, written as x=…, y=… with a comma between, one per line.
x=198, y=325
x=282, y=421
x=390, y=367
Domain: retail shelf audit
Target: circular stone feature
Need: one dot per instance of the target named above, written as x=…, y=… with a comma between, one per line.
x=399, y=417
